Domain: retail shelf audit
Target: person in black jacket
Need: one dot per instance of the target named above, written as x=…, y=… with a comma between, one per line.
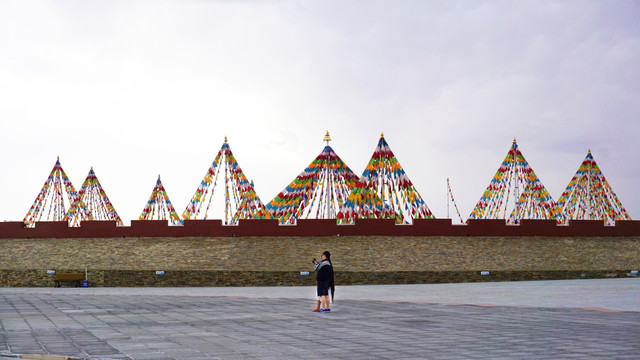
x=325, y=280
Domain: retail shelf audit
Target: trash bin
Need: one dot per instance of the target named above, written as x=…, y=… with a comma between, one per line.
x=85, y=283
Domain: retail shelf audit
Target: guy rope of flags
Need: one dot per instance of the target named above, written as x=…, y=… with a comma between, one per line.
x=450, y=198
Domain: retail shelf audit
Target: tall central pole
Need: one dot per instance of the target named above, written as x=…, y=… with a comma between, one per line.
x=517, y=180
x=329, y=214
x=448, y=192
x=590, y=202
x=227, y=203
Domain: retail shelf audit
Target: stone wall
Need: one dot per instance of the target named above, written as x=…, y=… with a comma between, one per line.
x=257, y=261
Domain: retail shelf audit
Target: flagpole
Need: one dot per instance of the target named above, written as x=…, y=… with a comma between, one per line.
x=448, y=199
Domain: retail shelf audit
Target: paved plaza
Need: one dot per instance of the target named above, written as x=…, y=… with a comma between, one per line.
x=573, y=319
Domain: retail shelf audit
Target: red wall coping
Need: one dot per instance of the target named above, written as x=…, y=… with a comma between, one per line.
x=318, y=227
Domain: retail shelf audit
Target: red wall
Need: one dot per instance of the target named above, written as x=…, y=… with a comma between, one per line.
x=320, y=227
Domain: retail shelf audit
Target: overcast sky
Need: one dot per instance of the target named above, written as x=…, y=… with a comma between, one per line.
x=141, y=88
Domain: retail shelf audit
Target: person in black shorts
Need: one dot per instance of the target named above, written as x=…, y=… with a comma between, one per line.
x=324, y=278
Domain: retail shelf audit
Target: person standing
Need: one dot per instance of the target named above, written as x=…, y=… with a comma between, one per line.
x=325, y=280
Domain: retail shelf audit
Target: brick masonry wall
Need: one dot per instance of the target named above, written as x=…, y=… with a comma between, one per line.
x=257, y=261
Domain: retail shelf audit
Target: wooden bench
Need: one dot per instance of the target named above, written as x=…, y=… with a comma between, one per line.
x=76, y=278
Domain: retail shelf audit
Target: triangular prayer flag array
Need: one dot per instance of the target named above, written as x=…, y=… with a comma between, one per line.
x=241, y=200
x=515, y=178
x=588, y=196
x=318, y=192
x=159, y=206
x=384, y=191
x=54, y=199
x=92, y=203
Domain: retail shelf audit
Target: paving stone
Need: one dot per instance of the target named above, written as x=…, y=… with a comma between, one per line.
x=136, y=323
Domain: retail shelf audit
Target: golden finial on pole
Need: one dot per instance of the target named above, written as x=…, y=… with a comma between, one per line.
x=225, y=138
x=514, y=140
x=158, y=176
x=327, y=138
x=381, y=135
x=589, y=151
